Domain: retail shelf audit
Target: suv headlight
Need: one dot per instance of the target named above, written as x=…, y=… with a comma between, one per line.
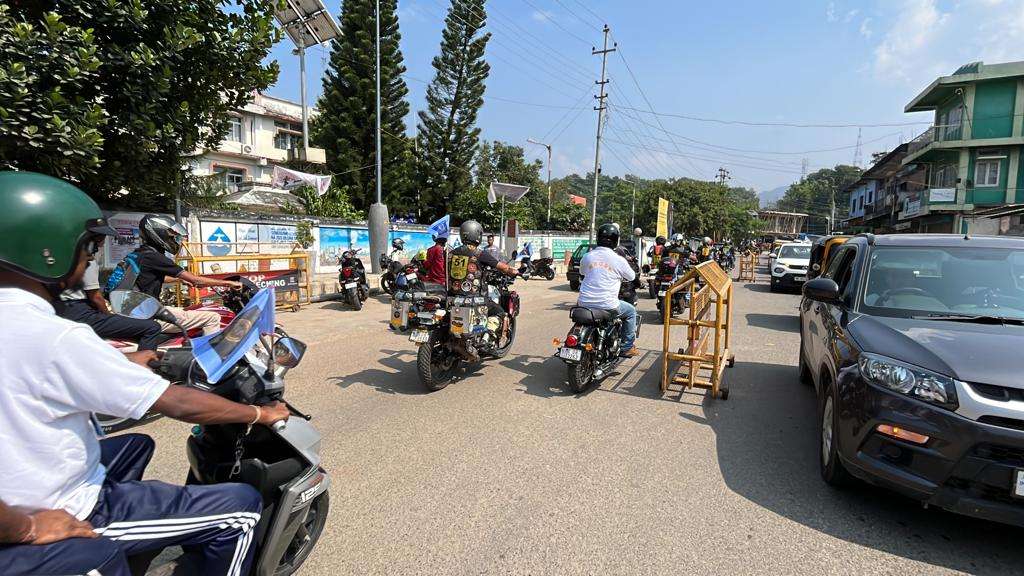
x=908, y=379
x=779, y=269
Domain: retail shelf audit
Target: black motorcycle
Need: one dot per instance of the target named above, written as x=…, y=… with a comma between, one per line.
x=544, y=268
x=591, y=348
x=672, y=267
x=390, y=268
x=629, y=288
x=352, y=278
x=459, y=330
x=282, y=462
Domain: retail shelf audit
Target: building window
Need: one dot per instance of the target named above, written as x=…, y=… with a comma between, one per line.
x=944, y=176
x=232, y=176
x=951, y=130
x=234, y=129
x=987, y=168
x=288, y=135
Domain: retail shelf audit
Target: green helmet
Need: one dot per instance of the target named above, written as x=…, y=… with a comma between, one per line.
x=46, y=223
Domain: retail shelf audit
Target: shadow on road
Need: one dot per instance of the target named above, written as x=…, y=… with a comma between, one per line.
x=402, y=377
x=780, y=322
x=761, y=287
x=766, y=436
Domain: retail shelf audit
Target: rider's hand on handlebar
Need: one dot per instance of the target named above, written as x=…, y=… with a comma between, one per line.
x=273, y=412
x=144, y=358
x=235, y=285
x=56, y=525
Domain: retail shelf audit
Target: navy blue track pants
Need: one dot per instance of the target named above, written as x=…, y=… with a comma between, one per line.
x=214, y=523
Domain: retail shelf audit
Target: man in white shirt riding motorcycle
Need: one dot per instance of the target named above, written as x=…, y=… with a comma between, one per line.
x=603, y=273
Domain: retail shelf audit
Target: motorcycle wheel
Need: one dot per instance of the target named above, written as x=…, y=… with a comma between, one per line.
x=581, y=374
x=501, y=351
x=306, y=536
x=113, y=423
x=353, y=298
x=549, y=274
x=387, y=285
x=436, y=363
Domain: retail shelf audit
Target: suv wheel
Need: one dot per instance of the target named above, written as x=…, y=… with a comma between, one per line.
x=832, y=470
x=574, y=285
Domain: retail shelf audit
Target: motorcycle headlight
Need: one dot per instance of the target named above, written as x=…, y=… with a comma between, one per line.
x=908, y=379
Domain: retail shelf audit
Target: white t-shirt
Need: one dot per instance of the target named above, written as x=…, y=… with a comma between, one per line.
x=90, y=281
x=603, y=272
x=53, y=374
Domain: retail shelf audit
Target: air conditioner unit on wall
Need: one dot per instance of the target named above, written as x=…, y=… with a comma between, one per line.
x=247, y=149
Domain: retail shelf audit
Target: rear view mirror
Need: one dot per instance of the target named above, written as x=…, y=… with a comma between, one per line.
x=288, y=352
x=135, y=304
x=823, y=290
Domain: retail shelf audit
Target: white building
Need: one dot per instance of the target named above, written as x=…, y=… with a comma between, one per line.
x=265, y=132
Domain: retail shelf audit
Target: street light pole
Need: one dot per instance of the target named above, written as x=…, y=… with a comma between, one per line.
x=548, y=146
x=632, y=210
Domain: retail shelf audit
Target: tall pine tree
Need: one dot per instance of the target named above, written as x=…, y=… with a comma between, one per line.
x=447, y=134
x=345, y=126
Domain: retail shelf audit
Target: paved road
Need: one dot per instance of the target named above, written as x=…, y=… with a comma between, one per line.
x=506, y=473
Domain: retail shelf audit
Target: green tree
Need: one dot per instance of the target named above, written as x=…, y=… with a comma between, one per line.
x=345, y=126
x=112, y=95
x=813, y=195
x=503, y=162
x=447, y=134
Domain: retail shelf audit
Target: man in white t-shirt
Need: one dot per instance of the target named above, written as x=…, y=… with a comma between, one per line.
x=603, y=273
x=60, y=482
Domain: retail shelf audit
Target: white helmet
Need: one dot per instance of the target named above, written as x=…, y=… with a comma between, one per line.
x=707, y=240
x=678, y=238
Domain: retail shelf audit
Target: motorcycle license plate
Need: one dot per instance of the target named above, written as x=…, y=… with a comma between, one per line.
x=799, y=278
x=411, y=276
x=419, y=336
x=349, y=285
x=661, y=294
x=573, y=354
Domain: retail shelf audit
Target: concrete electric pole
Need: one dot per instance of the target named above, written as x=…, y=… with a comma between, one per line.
x=378, y=217
x=600, y=121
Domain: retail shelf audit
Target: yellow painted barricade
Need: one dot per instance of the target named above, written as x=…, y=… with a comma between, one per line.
x=708, y=321
x=292, y=283
x=748, y=267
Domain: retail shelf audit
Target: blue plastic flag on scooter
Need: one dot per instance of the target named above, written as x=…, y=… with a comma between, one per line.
x=527, y=252
x=441, y=228
x=217, y=353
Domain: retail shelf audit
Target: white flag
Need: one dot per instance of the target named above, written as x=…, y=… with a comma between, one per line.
x=291, y=179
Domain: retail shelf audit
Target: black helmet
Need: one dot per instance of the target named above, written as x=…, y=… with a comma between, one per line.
x=608, y=236
x=162, y=233
x=471, y=232
x=660, y=240
x=398, y=244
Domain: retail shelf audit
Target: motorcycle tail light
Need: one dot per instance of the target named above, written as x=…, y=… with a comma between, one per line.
x=572, y=340
x=429, y=305
x=346, y=272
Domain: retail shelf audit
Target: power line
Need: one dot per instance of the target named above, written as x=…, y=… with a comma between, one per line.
x=600, y=21
x=577, y=16
x=778, y=124
x=551, y=19
x=670, y=153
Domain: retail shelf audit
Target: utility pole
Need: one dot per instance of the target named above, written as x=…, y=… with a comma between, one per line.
x=600, y=121
x=548, y=146
x=377, y=218
x=723, y=175
x=379, y=164
x=832, y=201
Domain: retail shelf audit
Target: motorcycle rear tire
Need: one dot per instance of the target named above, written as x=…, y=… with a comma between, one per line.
x=432, y=374
x=387, y=285
x=581, y=374
x=353, y=298
x=549, y=274
x=306, y=537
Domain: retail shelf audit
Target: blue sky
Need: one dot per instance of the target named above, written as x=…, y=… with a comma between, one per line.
x=793, y=62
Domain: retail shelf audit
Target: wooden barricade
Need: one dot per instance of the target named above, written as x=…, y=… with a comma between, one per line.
x=708, y=322
x=748, y=268
x=292, y=278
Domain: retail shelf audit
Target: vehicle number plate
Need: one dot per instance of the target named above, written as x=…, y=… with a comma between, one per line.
x=800, y=278
x=661, y=294
x=570, y=353
x=1018, y=483
x=411, y=276
x=419, y=336
x=350, y=285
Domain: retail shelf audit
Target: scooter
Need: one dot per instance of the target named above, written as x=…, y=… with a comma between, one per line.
x=544, y=267
x=352, y=278
x=282, y=462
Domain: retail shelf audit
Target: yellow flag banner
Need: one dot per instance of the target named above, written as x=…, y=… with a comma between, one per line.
x=662, y=217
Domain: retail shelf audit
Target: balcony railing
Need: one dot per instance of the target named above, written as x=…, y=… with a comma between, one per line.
x=937, y=133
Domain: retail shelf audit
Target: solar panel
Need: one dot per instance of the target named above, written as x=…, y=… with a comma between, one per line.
x=307, y=22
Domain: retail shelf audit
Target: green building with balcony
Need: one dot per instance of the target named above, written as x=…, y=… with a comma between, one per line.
x=972, y=153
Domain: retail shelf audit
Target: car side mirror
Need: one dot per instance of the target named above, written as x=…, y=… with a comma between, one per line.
x=824, y=290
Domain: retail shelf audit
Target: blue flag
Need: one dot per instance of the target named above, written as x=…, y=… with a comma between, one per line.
x=217, y=353
x=441, y=228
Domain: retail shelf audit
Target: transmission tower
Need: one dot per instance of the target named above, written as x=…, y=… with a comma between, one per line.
x=723, y=175
x=856, y=151
x=803, y=169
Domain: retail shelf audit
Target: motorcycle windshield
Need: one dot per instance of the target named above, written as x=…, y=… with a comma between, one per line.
x=217, y=353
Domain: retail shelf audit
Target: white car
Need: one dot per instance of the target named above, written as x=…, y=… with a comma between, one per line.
x=789, y=268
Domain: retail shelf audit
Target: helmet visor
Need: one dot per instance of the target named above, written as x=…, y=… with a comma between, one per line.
x=99, y=226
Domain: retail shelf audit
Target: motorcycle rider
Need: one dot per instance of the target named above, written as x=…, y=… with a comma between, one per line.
x=656, y=252
x=60, y=482
x=603, y=271
x=466, y=265
x=161, y=236
x=84, y=303
x=704, y=254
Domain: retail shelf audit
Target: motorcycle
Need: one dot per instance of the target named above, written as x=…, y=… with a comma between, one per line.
x=591, y=348
x=671, y=267
x=352, y=278
x=451, y=327
x=282, y=462
x=628, y=289
x=390, y=267
x=544, y=267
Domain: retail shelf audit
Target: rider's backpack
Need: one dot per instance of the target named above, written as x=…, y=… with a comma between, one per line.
x=124, y=275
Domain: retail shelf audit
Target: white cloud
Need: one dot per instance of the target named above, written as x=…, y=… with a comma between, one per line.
x=830, y=12
x=865, y=28
x=851, y=15
x=921, y=39
x=541, y=15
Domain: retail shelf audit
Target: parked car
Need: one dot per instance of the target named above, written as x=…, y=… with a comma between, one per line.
x=913, y=345
x=572, y=273
x=789, y=268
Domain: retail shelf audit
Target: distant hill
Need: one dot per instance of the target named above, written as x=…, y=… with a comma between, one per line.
x=767, y=197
